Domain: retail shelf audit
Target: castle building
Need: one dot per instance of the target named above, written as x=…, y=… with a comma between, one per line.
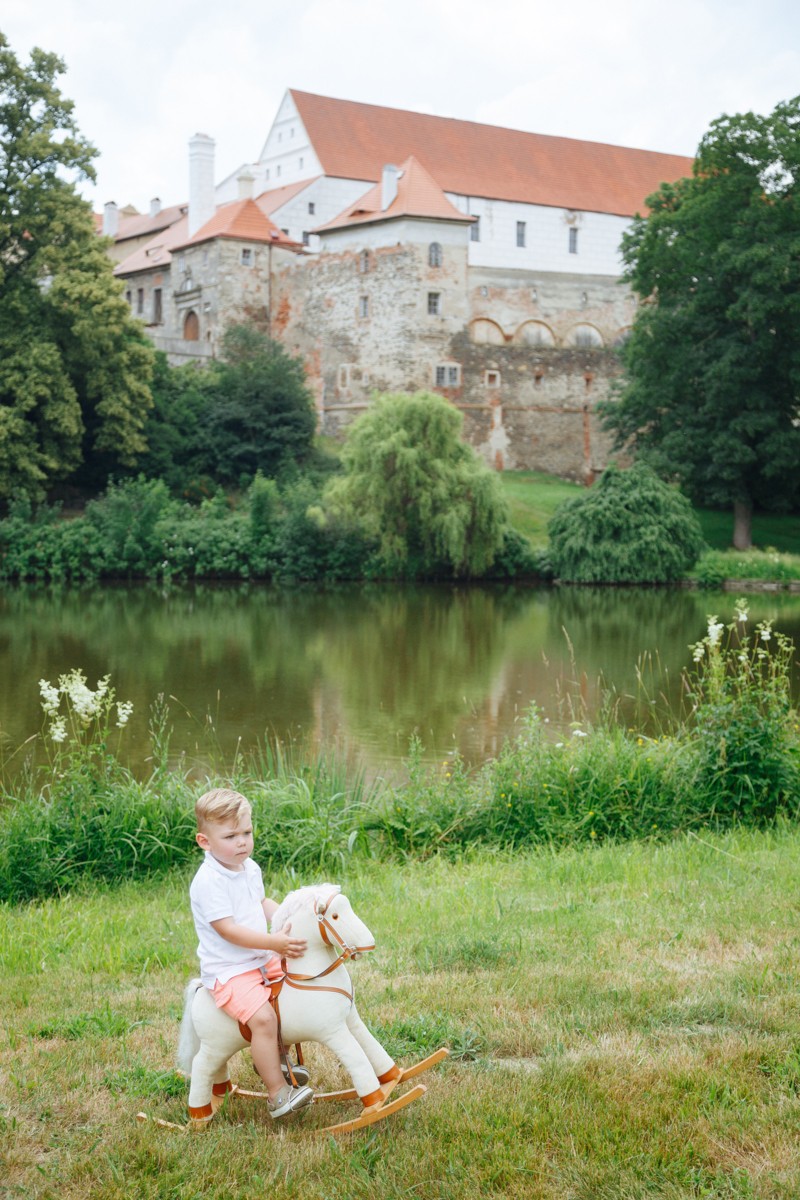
x=398, y=251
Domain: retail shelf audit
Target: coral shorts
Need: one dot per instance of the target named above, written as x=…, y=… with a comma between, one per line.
x=242, y=995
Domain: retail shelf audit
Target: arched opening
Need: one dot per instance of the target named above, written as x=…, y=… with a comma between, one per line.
x=191, y=327
x=584, y=337
x=534, y=333
x=434, y=255
x=486, y=333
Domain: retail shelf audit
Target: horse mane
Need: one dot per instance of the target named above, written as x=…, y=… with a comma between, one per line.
x=297, y=899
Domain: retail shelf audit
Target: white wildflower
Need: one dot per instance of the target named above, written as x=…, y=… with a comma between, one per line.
x=85, y=703
x=124, y=710
x=715, y=629
x=765, y=631
x=579, y=733
x=697, y=652
x=51, y=697
x=58, y=729
x=741, y=610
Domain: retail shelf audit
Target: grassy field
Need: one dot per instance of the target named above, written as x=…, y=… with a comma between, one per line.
x=623, y=1021
x=533, y=498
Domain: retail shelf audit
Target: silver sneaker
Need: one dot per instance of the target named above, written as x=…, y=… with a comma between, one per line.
x=288, y=1100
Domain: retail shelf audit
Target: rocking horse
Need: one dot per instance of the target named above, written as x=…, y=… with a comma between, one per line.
x=313, y=1002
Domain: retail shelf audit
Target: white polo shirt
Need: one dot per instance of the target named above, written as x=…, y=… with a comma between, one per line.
x=217, y=892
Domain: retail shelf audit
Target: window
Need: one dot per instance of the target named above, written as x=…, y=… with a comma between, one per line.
x=266, y=173
x=191, y=327
x=300, y=163
x=573, y=241
x=492, y=379
x=434, y=255
x=247, y=257
x=306, y=237
x=363, y=262
x=278, y=171
x=520, y=233
x=140, y=301
x=434, y=304
x=475, y=230
x=157, y=309
x=363, y=306
x=448, y=375
x=311, y=207
x=129, y=297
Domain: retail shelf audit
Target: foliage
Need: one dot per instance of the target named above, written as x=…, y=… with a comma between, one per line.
x=629, y=527
x=75, y=366
x=418, y=489
x=178, y=448
x=745, y=760
x=713, y=362
x=262, y=415
x=764, y=566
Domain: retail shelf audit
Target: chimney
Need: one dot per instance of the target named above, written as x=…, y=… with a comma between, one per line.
x=245, y=180
x=155, y=206
x=201, y=181
x=389, y=178
x=110, y=219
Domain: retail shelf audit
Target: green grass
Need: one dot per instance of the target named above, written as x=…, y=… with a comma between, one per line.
x=533, y=497
x=623, y=1019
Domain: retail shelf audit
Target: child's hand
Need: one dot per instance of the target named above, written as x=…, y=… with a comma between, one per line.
x=288, y=946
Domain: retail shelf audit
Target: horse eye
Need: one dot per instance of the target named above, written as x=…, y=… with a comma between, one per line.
x=335, y=916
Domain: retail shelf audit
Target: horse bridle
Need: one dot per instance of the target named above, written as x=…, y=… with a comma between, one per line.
x=327, y=931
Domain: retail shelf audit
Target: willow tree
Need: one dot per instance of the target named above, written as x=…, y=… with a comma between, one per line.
x=712, y=397
x=412, y=484
x=74, y=365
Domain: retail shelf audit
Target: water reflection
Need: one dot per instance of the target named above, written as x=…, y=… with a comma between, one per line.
x=364, y=666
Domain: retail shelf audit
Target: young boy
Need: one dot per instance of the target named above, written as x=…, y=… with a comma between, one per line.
x=237, y=952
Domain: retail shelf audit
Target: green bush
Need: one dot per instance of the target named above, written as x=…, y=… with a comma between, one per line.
x=630, y=527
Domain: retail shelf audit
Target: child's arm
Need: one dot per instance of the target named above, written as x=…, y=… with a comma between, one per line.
x=282, y=943
x=270, y=907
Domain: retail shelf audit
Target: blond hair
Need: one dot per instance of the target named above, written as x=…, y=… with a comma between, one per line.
x=220, y=805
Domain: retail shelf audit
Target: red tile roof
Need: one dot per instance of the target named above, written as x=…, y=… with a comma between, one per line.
x=354, y=141
x=418, y=195
x=137, y=224
x=275, y=198
x=157, y=252
x=243, y=220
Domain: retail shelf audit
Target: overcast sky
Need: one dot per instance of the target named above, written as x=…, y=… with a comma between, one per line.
x=147, y=75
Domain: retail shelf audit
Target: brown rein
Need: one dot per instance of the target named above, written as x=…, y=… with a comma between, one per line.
x=308, y=982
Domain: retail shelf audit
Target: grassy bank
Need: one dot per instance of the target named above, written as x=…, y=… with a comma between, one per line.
x=533, y=498
x=623, y=1022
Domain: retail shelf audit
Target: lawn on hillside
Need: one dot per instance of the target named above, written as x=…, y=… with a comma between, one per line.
x=534, y=497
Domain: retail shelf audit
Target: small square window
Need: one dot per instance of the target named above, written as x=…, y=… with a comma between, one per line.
x=520, y=233
x=573, y=241
x=475, y=230
x=492, y=379
x=434, y=304
x=448, y=375
x=247, y=256
x=363, y=306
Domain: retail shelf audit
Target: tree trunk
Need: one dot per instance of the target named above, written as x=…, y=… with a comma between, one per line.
x=742, y=525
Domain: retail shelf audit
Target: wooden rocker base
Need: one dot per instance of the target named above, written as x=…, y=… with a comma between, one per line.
x=424, y=1064
x=371, y=1116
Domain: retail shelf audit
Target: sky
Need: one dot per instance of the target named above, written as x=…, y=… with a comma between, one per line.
x=146, y=76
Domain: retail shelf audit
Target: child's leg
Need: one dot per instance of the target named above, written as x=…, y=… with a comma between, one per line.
x=264, y=1048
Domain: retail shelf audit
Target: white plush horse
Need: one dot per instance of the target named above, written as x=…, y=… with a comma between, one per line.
x=315, y=1004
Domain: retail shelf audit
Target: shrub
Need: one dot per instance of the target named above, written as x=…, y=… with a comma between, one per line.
x=630, y=527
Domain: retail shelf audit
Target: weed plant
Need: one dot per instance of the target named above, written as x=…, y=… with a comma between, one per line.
x=764, y=566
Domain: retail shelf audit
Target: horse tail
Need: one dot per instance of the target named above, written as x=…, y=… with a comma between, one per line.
x=188, y=1041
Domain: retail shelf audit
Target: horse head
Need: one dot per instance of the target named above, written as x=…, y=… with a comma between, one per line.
x=324, y=916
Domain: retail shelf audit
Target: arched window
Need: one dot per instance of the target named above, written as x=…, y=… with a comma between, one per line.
x=486, y=333
x=191, y=327
x=534, y=333
x=434, y=255
x=584, y=337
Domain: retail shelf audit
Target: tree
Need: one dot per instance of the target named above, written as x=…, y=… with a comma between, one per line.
x=418, y=489
x=74, y=365
x=712, y=396
x=630, y=527
x=262, y=412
